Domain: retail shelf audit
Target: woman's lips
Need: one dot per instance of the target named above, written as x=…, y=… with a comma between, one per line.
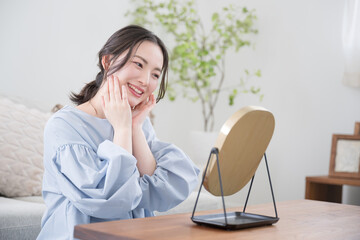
x=135, y=90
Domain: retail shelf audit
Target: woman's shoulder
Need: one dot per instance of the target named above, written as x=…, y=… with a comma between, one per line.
x=71, y=125
x=62, y=123
x=67, y=124
x=71, y=116
x=64, y=117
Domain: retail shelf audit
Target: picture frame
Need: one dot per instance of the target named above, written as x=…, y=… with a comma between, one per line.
x=357, y=128
x=345, y=156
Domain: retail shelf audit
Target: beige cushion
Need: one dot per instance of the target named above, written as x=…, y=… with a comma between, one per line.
x=21, y=149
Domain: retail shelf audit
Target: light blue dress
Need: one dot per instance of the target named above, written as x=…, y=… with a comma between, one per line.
x=87, y=178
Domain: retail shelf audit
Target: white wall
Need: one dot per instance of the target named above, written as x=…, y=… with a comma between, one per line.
x=48, y=48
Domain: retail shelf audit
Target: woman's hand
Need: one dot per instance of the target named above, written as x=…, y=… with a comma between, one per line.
x=115, y=104
x=141, y=111
x=118, y=112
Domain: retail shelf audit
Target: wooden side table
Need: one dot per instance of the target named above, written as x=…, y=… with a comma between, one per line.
x=299, y=219
x=325, y=188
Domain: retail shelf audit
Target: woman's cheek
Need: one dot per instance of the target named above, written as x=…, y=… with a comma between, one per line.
x=153, y=87
x=122, y=80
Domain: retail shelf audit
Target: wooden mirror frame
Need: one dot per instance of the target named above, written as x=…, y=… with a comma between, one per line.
x=242, y=142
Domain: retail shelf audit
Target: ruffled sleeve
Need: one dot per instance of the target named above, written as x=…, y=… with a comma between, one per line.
x=174, y=179
x=102, y=184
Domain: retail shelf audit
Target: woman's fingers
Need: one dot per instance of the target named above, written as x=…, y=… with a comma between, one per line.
x=117, y=93
x=124, y=93
x=111, y=87
x=152, y=98
x=106, y=93
x=152, y=102
x=103, y=101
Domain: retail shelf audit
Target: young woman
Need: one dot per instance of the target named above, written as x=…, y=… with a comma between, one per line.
x=102, y=159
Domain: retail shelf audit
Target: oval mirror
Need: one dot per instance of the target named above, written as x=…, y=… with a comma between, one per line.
x=242, y=142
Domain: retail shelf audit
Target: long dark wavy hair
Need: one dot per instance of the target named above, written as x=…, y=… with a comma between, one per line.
x=124, y=39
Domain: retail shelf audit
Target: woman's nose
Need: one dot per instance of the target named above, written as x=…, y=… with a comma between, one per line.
x=145, y=78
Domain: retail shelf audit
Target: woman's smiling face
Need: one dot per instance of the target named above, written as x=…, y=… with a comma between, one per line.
x=140, y=75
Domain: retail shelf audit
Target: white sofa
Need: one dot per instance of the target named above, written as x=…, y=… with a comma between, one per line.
x=20, y=217
x=21, y=146
x=21, y=169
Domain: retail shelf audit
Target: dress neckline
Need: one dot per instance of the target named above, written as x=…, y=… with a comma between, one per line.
x=84, y=113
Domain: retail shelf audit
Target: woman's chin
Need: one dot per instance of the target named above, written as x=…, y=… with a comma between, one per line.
x=133, y=104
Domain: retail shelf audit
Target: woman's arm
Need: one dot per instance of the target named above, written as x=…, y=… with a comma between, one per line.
x=146, y=163
x=174, y=178
x=118, y=112
x=102, y=182
x=145, y=160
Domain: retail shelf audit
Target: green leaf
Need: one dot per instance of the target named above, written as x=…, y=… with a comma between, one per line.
x=215, y=17
x=254, y=90
x=194, y=99
x=231, y=100
x=212, y=62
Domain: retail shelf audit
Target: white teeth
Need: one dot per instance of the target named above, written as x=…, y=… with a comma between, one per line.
x=135, y=89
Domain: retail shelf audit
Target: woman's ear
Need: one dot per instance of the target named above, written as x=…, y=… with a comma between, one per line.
x=105, y=61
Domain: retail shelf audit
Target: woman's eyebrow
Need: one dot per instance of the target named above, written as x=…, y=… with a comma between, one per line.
x=146, y=62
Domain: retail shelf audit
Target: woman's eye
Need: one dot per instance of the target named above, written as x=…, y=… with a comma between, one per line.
x=138, y=64
x=156, y=76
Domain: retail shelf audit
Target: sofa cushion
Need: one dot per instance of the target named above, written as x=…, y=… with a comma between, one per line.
x=21, y=149
x=33, y=199
x=20, y=219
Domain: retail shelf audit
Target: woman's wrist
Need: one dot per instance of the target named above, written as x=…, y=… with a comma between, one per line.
x=136, y=128
x=123, y=138
x=122, y=130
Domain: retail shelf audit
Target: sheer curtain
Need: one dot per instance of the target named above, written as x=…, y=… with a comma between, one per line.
x=351, y=43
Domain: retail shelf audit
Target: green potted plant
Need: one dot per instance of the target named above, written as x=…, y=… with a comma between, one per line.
x=197, y=57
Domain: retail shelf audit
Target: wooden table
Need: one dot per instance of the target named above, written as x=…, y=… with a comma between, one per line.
x=299, y=219
x=325, y=188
